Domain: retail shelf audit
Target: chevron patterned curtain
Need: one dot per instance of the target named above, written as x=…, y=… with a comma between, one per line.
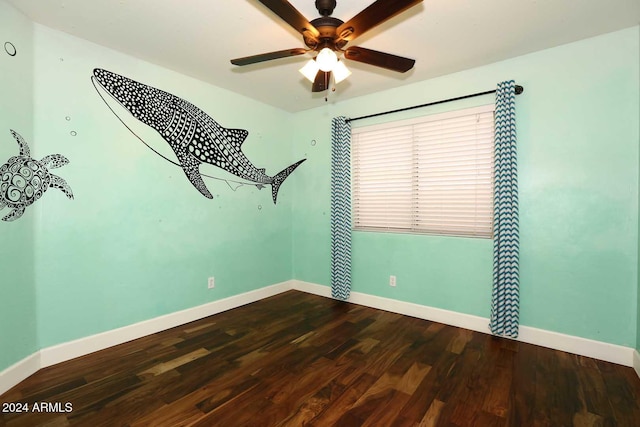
x=506, y=280
x=340, y=208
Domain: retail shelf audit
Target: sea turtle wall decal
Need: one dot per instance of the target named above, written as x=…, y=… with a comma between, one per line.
x=24, y=180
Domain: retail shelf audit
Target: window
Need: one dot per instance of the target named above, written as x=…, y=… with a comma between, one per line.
x=433, y=174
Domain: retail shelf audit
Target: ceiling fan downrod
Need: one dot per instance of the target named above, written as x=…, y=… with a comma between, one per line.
x=325, y=7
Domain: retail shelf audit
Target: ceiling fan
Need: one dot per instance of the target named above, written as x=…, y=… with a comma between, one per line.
x=328, y=35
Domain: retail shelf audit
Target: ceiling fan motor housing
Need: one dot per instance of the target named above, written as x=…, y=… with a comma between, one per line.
x=327, y=27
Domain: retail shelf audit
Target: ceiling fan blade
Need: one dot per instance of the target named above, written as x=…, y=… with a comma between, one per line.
x=379, y=59
x=268, y=56
x=374, y=15
x=321, y=83
x=291, y=16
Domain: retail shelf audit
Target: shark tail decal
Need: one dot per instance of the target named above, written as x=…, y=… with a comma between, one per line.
x=280, y=177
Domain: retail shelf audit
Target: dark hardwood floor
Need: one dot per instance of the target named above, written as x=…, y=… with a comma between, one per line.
x=297, y=359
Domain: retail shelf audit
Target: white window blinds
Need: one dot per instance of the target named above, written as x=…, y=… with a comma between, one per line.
x=430, y=175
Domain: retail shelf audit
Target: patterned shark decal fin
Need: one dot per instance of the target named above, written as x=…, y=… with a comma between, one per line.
x=191, y=169
x=236, y=136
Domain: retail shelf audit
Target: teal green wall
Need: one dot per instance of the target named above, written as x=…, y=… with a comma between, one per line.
x=18, y=335
x=578, y=173
x=139, y=240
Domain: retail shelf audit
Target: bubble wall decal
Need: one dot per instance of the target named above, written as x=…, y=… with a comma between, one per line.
x=10, y=49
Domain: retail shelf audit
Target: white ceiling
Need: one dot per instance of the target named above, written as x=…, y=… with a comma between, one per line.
x=199, y=37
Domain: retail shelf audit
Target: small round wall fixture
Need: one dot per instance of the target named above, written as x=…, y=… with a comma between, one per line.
x=10, y=49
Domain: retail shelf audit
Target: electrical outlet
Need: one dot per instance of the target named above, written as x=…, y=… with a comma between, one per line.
x=392, y=281
x=211, y=283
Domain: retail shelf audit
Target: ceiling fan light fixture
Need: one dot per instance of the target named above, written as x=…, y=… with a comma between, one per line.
x=310, y=70
x=340, y=72
x=326, y=59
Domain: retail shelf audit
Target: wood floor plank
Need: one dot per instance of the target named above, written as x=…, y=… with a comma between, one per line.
x=337, y=407
x=523, y=386
x=163, y=367
x=622, y=391
x=387, y=411
x=427, y=390
x=430, y=418
x=302, y=360
x=314, y=406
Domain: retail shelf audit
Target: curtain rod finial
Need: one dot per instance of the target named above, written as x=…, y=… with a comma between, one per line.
x=519, y=89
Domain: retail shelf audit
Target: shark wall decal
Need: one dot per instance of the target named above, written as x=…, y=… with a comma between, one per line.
x=193, y=135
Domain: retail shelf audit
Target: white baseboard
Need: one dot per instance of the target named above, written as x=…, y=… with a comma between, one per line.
x=66, y=351
x=577, y=345
x=467, y=321
x=557, y=341
x=80, y=347
x=70, y=350
x=19, y=371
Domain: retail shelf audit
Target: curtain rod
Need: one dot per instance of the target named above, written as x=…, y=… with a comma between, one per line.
x=518, y=90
